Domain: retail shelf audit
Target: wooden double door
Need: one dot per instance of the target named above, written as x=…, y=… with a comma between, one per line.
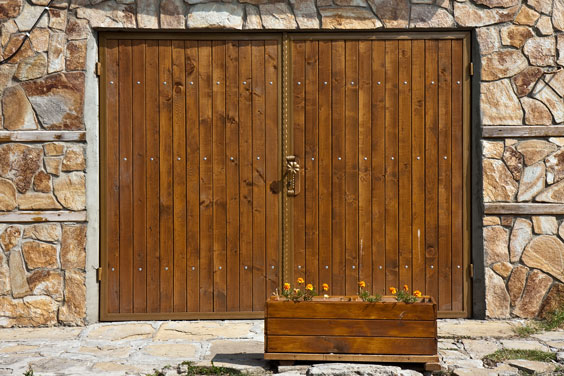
x=201, y=217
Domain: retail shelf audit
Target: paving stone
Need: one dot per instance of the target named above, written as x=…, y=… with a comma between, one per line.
x=523, y=345
x=171, y=350
x=197, y=331
x=106, y=351
x=55, y=365
x=17, y=348
x=557, y=335
x=39, y=334
x=226, y=348
x=115, y=367
x=474, y=372
x=560, y=357
x=532, y=366
x=475, y=329
x=477, y=349
x=121, y=332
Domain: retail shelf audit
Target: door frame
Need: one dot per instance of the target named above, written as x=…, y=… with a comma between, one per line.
x=470, y=207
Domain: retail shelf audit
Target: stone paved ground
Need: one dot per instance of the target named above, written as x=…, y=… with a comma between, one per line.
x=136, y=348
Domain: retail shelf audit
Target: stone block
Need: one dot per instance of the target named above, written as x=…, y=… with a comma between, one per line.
x=521, y=235
x=535, y=150
x=499, y=104
x=532, y=182
x=528, y=305
x=46, y=282
x=515, y=35
x=7, y=195
x=502, y=64
x=73, y=310
x=215, y=15
x=73, y=247
x=536, y=113
x=42, y=182
x=40, y=255
x=492, y=149
x=74, y=159
x=18, y=280
x=498, y=183
x=70, y=190
x=172, y=350
x=497, y=298
x=10, y=237
x=546, y=225
x=20, y=163
x=348, y=18
x=546, y=252
x=496, y=244
x=467, y=14
x=541, y=51
x=37, y=201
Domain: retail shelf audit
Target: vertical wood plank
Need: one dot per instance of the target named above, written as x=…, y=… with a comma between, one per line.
x=325, y=163
x=139, y=178
x=179, y=174
x=404, y=170
x=391, y=140
x=310, y=164
x=166, y=191
x=457, y=178
x=112, y=174
x=192, y=177
x=431, y=164
x=245, y=178
x=445, y=98
x=259, y=167
x=219, y=189
x=364, y=163
x=232, y=173
x=351, y=167
x=418, y=163
x=125, y=178
x=298, y=120
x=272, y=166
x=338, y=144
x=206, y=176
x=378, y=166
x=152, y=115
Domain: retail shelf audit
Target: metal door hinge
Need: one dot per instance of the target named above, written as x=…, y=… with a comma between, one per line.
x=471, y=270
x=98, y=68
x=471, y=69
x=99, y=274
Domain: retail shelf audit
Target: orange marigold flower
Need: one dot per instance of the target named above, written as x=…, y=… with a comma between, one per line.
x=325, y=287
x=405, y=288
x=417, y=293
x=362, y=284
x=301, y=280
x=286, y=286
x=309, y=287
x=393, y=290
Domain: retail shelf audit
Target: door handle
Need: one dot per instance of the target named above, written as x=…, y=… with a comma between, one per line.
x=293, y=171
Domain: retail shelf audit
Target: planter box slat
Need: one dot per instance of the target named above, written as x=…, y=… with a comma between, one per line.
x=352, y=310
x=355, y=345
x=354, y=328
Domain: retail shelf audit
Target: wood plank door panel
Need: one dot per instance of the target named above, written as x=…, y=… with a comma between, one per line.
x=191, y=143
x=378, y=124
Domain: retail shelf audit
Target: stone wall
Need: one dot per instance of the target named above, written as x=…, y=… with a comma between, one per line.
x=42, y=133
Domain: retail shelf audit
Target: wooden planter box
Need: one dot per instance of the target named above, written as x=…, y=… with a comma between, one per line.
x=348, y=329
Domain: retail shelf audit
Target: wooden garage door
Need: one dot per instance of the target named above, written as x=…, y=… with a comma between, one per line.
x=190, y=144
x=378, y=129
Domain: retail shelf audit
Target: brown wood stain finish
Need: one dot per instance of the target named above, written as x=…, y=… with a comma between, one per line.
x=192, y=132
x=192, y=139
x=387, y=147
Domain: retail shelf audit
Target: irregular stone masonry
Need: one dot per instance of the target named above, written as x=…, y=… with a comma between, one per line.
x=43, y=88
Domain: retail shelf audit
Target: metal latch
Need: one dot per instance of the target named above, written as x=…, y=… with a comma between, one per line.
x=293, y=171
x=99, y=274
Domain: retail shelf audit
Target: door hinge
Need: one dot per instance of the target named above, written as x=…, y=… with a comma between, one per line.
x=471, y=69
x=471, y=270
x=99, y=274
x=98, y=68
